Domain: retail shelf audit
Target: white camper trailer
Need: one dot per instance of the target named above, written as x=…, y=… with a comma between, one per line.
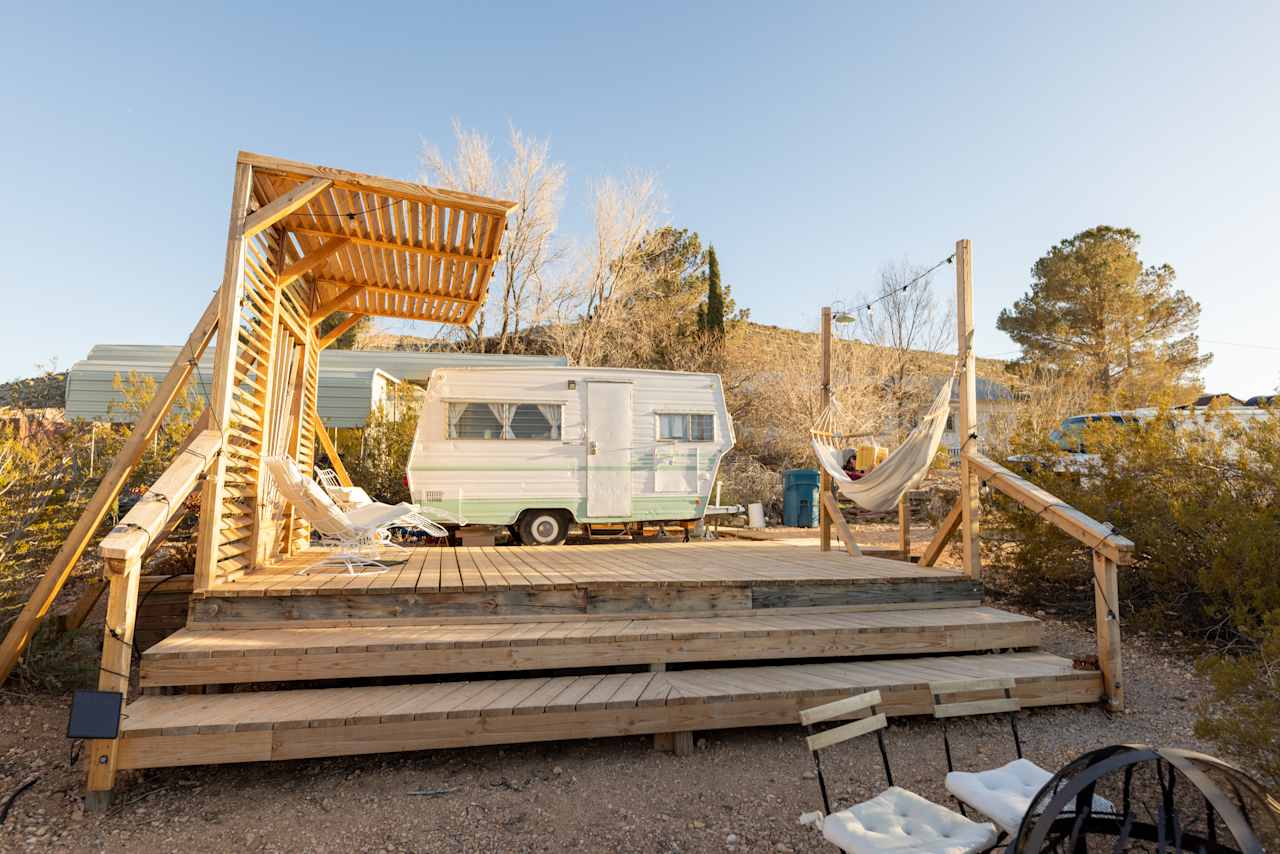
x=540, y=448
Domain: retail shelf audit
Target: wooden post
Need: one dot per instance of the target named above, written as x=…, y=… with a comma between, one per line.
x=1106, y=603
x=968, y=426
x=123, y=577
x=904, y=527
x=824, y=479
x=224, y=364
x=42, y=598
x=331, y=451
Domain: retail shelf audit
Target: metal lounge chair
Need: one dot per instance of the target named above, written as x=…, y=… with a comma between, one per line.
x=1003, y=794
x=351, y=497
x=895, y=820
x=358, y=536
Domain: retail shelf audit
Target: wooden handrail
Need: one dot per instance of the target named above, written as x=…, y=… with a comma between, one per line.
x=1049, y=507
x=133, y=536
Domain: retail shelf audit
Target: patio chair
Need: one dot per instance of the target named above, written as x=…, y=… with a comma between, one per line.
x=1003, y=794
x=358, y=536
x=351, y=497
x=896, y=819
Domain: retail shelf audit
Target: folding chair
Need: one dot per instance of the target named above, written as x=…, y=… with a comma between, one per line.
x=1003, y=794
x=896, y=819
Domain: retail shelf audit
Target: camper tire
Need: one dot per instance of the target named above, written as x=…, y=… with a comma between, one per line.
x=543, y=527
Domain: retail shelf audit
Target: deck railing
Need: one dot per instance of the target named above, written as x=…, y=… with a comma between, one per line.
x=123, y=550
x=1110, y=551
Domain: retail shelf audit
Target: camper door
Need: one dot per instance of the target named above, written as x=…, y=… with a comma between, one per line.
x=608, y=449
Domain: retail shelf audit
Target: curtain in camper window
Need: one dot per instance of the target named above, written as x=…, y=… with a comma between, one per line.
x=455, y=417
x=504, y=412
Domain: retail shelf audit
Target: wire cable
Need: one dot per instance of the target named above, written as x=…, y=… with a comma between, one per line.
x=902, y=289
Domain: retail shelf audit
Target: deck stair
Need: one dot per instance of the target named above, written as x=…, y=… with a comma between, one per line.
x=192, y=657
x=471, y=646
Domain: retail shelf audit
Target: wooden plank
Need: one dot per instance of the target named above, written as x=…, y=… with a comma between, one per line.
x=948, y=527
x=836, y=735
x=904, y=526
x=280, y=207
x=976, y=707
x=51, y=583
x=961, y=686
x=825, y=514
x=840, y=708
x=331, y=451
x=336, y=332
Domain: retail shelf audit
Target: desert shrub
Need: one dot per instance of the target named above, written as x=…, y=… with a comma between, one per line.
x=746, y=480
x=1241, y=713
x=1201, y=503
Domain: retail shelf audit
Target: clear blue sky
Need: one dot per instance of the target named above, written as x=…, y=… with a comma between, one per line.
x=810, y=143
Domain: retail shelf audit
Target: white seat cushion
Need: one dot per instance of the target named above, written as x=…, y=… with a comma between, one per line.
x=898, y=820
x=1005, y=793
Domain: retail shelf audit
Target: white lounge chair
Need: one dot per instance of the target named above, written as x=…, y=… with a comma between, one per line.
x=1003, y=794
x=358, y=536
x=351, y=497
x=895, y=820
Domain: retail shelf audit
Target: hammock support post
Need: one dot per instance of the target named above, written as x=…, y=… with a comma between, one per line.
x=967, y=425
x=824, y=479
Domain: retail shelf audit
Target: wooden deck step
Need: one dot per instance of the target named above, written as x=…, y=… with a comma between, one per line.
x=292, y=724
x=192, y=657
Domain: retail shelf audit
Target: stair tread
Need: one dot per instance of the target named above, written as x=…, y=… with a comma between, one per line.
x=194, y=644
x=331, y=707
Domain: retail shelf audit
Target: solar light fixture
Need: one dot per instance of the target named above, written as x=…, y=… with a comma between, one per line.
x=95, y=714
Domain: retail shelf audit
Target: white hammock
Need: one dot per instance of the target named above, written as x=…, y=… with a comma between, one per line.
x=883, y=487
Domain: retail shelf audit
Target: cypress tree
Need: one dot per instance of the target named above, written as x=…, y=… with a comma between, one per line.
x=713, y=319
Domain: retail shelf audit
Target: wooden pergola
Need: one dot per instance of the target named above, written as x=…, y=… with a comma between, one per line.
x=304, y=242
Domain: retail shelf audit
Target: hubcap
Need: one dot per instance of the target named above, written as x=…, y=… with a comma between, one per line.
x=545, y=528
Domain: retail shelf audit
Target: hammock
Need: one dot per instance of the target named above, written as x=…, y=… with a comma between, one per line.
x=883, y=487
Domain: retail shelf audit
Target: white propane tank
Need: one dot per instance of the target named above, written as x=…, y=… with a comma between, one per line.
x=755, y=515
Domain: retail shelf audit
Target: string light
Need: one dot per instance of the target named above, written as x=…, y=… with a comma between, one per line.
x=846, y=317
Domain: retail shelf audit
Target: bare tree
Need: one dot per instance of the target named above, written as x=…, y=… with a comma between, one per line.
x=529, y=177
x=905, y=319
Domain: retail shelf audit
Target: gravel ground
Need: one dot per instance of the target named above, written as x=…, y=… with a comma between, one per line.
x=741, y=790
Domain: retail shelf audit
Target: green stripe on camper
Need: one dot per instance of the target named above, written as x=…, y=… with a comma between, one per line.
x=505, y=511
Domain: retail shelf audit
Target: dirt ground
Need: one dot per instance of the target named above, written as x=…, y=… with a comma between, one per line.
x=741, y=790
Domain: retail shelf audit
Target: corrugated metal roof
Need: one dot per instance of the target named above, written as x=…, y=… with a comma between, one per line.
x=350, y=385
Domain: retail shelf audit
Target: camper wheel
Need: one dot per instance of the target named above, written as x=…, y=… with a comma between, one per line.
x=544, y=527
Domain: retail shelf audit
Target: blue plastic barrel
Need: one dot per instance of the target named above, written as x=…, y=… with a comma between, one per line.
x=800, y=498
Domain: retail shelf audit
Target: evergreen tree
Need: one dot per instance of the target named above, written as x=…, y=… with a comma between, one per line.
x=713, y=317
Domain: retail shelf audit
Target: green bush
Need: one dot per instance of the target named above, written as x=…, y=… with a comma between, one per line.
x=1202, y=505
x=377, y=456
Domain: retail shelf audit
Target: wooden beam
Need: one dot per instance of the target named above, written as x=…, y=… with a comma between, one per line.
x=371, y=183
x=948, y=527
x=374, y=243
x=276, y=210
x=836, y=518
x=80, y=612
x=331, y=451
x=1106, y=603
x=336, y=332
x=311, y=260
x=1049, y=507
x=117, y=656
x=825, y=513
x=42, y=597
x=401, y=292
x=904, y=527
x=330, y=306
x=133, y=536
x=224, y=363
x=967, y=425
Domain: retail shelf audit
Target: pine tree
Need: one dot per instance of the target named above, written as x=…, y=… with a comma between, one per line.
x=713, y=317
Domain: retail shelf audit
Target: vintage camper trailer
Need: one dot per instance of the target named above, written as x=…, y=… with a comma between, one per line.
x=538, y=449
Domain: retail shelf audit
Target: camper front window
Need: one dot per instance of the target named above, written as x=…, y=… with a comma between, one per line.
x=483, y=420
x=687, y=427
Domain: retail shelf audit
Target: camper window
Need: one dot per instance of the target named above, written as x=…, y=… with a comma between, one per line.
x=482, y=420
x=687, y=428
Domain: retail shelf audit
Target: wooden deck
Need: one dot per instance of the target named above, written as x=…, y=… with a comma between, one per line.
x=601, y=580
